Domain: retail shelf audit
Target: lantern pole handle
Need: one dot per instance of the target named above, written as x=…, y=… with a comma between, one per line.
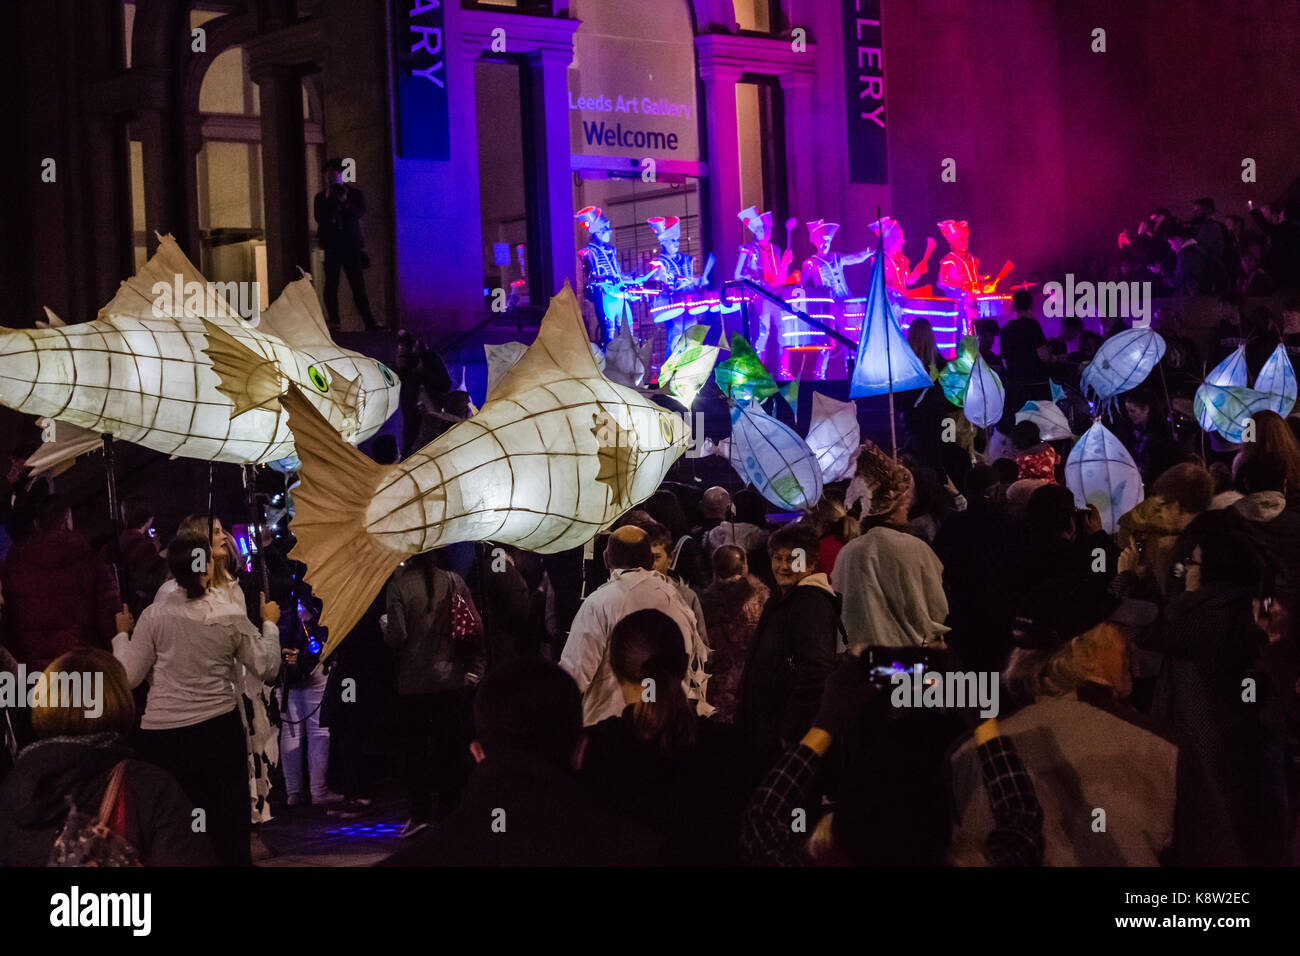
x=114, y=510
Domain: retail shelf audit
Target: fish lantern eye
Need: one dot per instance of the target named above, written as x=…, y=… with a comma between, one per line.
x=666, y=428
x=317, y=378
x=388, y=376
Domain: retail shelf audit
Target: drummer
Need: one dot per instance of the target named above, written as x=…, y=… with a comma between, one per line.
x=899, y=274
x=673, y=269
x=959, y=271
x=762, y=261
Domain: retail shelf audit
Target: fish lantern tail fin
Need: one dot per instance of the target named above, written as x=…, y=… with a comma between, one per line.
x=346, y=564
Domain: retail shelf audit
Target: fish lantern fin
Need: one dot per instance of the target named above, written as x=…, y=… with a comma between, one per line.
x=560, y=351
x=69, y=443
x=296, y=317
x=246, y=378
x=52, y=321
x=353, y=399
x=167, y=268
x=617, y=457
x=346, y=564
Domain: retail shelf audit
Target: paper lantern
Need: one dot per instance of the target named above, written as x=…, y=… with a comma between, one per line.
x=1277, y=380
x=834, y=436
x=556, y=454
x=1101, y=472
x=501, y=359
x=1231, y=371
x=984, y=395
x=774, y=459
x=1227, y=409
x=1051, y=421
x=886, y=363
x=624, y=364
x=742, y=377
x=955, y=376
x=169, y=365
x=689, y=366
x=1122, y=363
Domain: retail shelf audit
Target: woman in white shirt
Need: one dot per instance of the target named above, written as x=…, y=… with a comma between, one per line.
x=190, y=648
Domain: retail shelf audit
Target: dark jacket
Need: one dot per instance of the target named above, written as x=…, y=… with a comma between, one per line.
x=58, y=595
x=142, y=567
x=794, y=649
x=339, y=220
x=524, y=811
x=693, y=801
x=419, y=631
x=33, y=808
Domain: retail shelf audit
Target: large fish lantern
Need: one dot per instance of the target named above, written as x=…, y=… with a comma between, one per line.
x=556, y=453
x=1101, y=472
x=186, y=376
x=1122, y=363
x=772, y=457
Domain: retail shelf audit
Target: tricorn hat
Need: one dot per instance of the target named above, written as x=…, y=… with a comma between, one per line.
x=885, y=227
x=666, y=228
x=752, y=219
x=820, y=227
x=951, y=227
x=589, y=216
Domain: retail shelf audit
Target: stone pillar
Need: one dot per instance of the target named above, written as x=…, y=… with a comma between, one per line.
x=724, y=229
x=800, y=147
x=284, y=163
x=550, y=111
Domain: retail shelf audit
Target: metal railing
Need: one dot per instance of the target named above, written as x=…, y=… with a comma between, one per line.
x=784, y=306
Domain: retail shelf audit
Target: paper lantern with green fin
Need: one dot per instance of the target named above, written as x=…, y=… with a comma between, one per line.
x=1101, y=472
x=886, y=363
x=774, y=459
x=1227, y=409
x=742, y=377
x=688, y=366
x=956, y=374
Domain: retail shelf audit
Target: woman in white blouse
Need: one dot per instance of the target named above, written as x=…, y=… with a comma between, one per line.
x=190, y=648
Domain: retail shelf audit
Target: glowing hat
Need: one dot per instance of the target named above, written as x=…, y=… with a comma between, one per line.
x=820, y=227
x=589, y=216
x=669, y=228
x=751, y=218
x=885, y=227
x=951, y=227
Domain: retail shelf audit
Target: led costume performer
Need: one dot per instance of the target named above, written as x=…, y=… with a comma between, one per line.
x=603, y=280
x=959, y=271
x=824, y=269
x=763, y=262
x=899, y=274
x=674, y=269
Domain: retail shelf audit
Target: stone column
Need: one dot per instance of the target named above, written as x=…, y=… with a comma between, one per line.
x=723, y=188
x=550, y=111
x=284, y=162
x=800, y=146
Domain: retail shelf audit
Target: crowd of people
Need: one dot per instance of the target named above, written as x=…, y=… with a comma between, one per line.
x=715, y=683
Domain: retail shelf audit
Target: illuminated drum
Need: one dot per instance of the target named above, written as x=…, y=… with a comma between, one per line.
x=940, y=311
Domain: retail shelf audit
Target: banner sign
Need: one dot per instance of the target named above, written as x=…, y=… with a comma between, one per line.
x=864, y=80
x=420, y=67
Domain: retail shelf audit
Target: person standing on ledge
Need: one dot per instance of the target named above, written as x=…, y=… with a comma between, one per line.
x=339, y=208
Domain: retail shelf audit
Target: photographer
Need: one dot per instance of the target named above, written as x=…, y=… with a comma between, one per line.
x=301, y=728
x=338, y=209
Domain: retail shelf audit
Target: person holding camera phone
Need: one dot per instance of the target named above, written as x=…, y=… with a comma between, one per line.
x=338, y=209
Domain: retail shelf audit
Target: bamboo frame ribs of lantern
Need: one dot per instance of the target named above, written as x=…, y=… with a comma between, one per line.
x=555, y=455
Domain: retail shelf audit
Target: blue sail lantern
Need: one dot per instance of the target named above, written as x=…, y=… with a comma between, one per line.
x=984, y=395
x=1101, y=472
x=1122, y=363
x=886, y=363
x=1277, y=380
x=774, y=459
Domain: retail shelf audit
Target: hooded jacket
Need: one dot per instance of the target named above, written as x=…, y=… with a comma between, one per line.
x=892, y=586
x=33, y=807
x=795, y=647
x=58, y=595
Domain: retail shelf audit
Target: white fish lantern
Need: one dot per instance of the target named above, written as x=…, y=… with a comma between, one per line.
x=1231, y=371
x=688, y=366
x=1101, y=472
x=624, y=361
x=501, y=359
x=1051, y=421
x=1277, y=380
x=774, y=459
x=984, y=395
x=555, y=454
x=834, y=436
x=182, y=374
x=1122, y=363
x=1227, y=409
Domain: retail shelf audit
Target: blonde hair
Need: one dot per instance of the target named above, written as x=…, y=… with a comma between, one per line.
x=832, y=517
x=60, y=718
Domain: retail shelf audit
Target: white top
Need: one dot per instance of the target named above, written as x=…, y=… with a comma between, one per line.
x=189, y=650
x=892, y=586
x=586, y=652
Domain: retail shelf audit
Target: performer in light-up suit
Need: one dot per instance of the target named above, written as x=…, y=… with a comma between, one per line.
x=824, y=269
x=674, y=269
x=762, y=261
x=899, y=274
x=959, y=271
x=604, y=282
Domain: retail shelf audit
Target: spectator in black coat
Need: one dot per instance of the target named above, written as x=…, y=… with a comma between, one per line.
x=338, y=209
x=522, y=806
x=683, y=777
x=74, y=757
